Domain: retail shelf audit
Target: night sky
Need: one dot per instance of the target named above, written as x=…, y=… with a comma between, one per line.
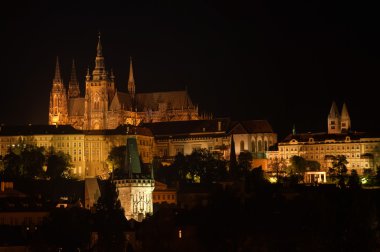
x=284, y=61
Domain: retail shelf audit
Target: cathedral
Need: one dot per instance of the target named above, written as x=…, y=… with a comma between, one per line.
x=105, y=107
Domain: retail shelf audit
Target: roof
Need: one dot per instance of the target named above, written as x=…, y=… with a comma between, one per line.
x=76, y=106
x=173, y=99
x=123, y=129
x=184, y=128
x=322, y=136
x=26, y=130
x=121, y=101
x=251, y=127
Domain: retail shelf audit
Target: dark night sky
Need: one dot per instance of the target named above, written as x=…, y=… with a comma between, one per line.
x=284, y=61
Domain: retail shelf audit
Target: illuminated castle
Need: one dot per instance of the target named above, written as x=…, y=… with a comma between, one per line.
x=104, y=107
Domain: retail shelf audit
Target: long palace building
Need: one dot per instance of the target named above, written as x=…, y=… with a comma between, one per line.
x=104, y=107
x=360, y=148
x=89, y=149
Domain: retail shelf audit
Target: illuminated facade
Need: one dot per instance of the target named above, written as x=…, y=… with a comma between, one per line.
x=254, y=136
x=105, y=107
x=135, y=191
x=360, y=148
x=88, y=149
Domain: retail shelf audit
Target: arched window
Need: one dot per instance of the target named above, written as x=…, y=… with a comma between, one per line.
x=259, y=146
x=253, y=143
x=241, y=146
x=265, y=145
x=96, y=102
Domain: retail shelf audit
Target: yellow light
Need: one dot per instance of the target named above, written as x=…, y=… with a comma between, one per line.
x=273, y=180
x=180, y=234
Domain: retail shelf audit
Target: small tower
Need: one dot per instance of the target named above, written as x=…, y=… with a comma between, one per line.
x=58, y=100
x=333, y=120
x=345, y=119
x=135, y=191
x=131, y=81
x=74, y=90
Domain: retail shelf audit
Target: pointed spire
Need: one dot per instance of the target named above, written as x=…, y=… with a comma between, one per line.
x=88, y=76
x=334, y=113
x=74, y=90
x=333, y=120
x=73, y=77
x=131, y=80
x=99, y=48
x=99, y=72
x=294, y=129
x=345, y=119
x=345, y=112
x=57, y=76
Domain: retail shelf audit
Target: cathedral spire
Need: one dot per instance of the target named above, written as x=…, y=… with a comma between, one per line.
x=73, y=84
x=99, y=48
x=333, y=120
x=99, y=71
x=131, y=80
x=57, y=76
x=345, y=119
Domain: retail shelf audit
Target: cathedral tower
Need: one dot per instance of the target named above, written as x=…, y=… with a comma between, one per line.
x=58, y=100
x=135, y=191
x=99, y=91
x=333, y=120
x=345, y=119
x=74, y=91
x=131, y=81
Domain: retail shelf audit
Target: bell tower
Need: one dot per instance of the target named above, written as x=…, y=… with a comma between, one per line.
x=99, y=90
x=333, y=120
x=58, y=114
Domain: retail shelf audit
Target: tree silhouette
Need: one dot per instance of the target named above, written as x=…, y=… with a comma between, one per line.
x=58, y=164
x=339, y=169
x=110, y=220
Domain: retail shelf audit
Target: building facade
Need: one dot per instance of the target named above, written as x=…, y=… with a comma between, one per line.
x=360, y=148
x=136, y=189
x=88, y=149
x=104, y=107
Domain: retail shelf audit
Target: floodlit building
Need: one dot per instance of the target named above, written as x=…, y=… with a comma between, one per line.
x=360, y=148
x=88, y=149
x=104, y=107
x=135, y=191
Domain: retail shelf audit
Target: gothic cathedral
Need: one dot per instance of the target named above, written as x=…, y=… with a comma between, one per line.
x=104, y=107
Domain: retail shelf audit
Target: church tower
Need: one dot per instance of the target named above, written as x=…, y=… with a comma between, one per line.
x=345, y=119
x=74, y=91
x=136, y=190
x=333, y=120
x=100, y=89
x=131, y=81
x=58, y=114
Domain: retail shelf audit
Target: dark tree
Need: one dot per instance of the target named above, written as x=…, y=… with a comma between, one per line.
x=116, y=158
x=24, y=161
x=245, y=159
x=339, y=169
x=58, y=164
x=354, y=180
x=109, y=219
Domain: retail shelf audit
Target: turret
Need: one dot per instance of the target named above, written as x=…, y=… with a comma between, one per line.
x=345, y=119
x=333, y=120
x=58, y=100
x=131, y=81
x=74, y=90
